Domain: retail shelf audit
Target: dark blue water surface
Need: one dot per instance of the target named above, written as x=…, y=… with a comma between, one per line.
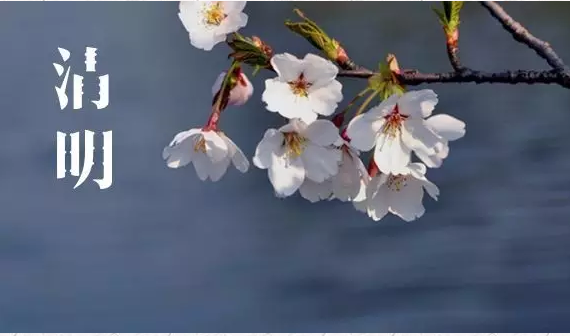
x=162, y=250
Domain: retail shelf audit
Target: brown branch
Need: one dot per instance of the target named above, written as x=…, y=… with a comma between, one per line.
x=522, y=35
x=472, y=76
x=452, y=45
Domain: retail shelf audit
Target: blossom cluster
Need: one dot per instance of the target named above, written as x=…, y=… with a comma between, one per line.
x=318, y=157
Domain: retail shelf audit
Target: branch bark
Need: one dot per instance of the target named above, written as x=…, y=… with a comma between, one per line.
x=522, y=35
x=412, y=77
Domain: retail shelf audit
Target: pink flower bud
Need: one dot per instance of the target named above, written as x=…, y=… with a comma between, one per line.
x=241, y=92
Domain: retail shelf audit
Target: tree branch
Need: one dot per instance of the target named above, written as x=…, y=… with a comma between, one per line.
x=522, y=35
x=412, y=77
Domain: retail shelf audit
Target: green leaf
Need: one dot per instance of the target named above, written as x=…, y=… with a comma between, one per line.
x=449, y=17
x=316, y=36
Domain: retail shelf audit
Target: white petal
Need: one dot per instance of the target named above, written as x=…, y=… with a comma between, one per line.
x=363, y=131
x=279, y=98
x=237, y=157
x=181, y=149
x=417, y=170
x=216, y=147
x=425, y=136
x=314, y=191
x=205, y=40
x=218, y=169
x=322, y=132
x=234, y=6
x=271, y=143
x=287, y=66
x=391, y=155
x=432, y=161
x=418, y=104
x=286, y=176
x=318, y=70
x=232, y=23
x=346, y=184
x=294, y=125
x=320, y=163
x=446, y=126
x=202, y=164
x=377, y=207
x=407, y=203
x=384, y=108
x=361, y=195
x=324, y=99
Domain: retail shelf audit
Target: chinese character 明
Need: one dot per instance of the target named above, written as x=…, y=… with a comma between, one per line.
x=107, y=179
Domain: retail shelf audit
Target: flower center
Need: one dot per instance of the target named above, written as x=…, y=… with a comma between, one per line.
x=214, y=15
x=397, y=182
x=300, y=86
x=394, y=122
x=200, y=145
x=294, y=143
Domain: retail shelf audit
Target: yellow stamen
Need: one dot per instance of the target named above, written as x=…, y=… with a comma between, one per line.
x=397, y=182
x=200, y=145
x=294, y=143
x=214, y=15
x=300, y=86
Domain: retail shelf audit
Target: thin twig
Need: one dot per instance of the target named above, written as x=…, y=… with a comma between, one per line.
x=522, y=35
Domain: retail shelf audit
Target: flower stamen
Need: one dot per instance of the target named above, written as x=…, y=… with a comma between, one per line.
x=397, y=182
x=300, y=86
x=214, y=14
x=200, y=145
x=394, y=122
x=294, y=143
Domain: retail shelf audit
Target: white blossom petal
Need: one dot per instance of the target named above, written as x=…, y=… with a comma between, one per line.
x=418, y=104
x=318, y=70
x=324, y=99
x=346, y=183
x=271, y=142
x=287, y=66
x=231, y=7
x=363, y=131
x=320, y=162
x=279, y=98
x=446, y=126
x=232, y=23
x=238, y=159
x=391, y=155
x=218, y=170
x=426, y=137
x=202, y=164
x=286, y=175
x=181, y=149
x=407, y=202
x=314, y=192
x=322, y=132
x=216, y=147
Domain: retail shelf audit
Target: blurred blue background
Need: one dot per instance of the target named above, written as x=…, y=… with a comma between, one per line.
x=162, y=250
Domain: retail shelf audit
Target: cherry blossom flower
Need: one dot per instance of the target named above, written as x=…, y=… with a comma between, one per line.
x=210, y=151
x=296, y=152
x=209, y=22
x=344, y=185
x=303, y=88
x=397, y=127
x=242, y=91
x=400, y=194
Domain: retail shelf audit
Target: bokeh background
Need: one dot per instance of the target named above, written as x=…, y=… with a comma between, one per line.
x=162, y=250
